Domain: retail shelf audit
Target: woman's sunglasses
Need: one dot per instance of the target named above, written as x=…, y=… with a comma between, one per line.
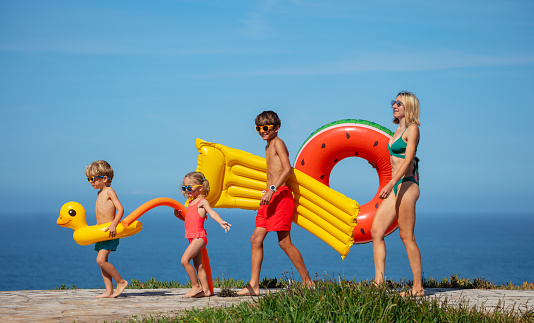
x=264, y=128
x=92, y=178
x=398, y=103
x=189, y=188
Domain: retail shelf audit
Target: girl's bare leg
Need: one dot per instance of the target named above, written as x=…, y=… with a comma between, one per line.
x=256, y=246
x=191, y=252
x=205, y=289
x=384, y=217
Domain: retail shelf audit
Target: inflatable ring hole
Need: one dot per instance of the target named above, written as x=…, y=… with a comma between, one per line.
x=355, y=178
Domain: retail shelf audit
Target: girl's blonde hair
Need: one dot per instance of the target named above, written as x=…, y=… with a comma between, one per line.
x=199, y=179
x=411, y=107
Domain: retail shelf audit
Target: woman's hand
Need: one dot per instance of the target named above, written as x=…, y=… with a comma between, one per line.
x=386, y=191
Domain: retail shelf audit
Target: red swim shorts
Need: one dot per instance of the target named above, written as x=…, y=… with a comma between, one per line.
x=278, y=214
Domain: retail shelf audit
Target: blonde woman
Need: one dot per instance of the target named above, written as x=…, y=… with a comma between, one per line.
x=402, y=192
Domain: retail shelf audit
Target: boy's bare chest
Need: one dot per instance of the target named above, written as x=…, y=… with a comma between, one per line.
x=104, y=208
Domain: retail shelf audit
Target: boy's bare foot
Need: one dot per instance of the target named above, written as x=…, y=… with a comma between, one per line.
x=201, y=294
x=192, y=292
x=412, y=293
x=249, y=291
x=120, y=289
x=105, y=295
x=309, y=282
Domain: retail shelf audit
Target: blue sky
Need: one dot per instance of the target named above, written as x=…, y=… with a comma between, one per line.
x=136, y=82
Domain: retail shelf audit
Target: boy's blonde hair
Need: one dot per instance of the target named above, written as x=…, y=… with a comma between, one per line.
x=199, y=179
x=267, y=118
x=99, y=168
x=411, y=107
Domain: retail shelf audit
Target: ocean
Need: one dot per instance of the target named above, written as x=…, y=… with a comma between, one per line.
x=38, y=254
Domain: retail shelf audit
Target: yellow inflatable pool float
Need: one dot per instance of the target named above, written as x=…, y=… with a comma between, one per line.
x=237, y=179
x=72, y=215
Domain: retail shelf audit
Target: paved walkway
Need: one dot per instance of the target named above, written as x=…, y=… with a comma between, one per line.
x=80, y=306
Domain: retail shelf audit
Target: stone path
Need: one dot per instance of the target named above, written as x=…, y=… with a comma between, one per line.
x=80, y=306
x=486, y=299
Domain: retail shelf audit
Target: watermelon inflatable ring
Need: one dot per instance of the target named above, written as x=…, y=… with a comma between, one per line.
x=338, y=140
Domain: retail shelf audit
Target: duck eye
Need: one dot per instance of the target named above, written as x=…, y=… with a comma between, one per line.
x=72, y=213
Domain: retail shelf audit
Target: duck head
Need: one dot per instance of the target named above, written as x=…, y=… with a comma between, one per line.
x=72, y=215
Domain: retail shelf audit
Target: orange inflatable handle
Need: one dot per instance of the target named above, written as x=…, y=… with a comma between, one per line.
x=175, y=205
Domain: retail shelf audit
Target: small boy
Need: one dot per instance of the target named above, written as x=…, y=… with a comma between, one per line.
x=108, y=209
x=276, y=205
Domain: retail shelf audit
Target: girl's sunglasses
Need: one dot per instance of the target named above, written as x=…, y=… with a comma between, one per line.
x=92, y=178
x=190, y=188
x=398, y=103
x=264, y=128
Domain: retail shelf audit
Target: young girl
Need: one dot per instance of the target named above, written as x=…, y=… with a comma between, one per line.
x=195, y=188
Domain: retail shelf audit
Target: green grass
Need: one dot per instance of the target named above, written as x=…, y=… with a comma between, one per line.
x=343, y=301
x=340, y=300
x=453, y=282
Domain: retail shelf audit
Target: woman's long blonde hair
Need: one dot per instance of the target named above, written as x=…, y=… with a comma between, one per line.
x=411, y=106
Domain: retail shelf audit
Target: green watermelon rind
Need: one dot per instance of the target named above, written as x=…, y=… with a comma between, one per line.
x=344, y=121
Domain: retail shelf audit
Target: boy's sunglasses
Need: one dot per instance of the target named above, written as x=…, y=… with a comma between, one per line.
x=92, y=178
x=190, y=188
x=264, y=128
x=398, y=103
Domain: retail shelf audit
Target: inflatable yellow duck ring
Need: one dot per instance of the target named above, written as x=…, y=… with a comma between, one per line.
x=72, y=215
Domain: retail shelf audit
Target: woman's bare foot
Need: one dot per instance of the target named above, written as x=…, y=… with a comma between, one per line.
x=377, y=284
x=249, y=291
x=193, y=291
x=120, y=288
x=413, y=293
x=105, y=295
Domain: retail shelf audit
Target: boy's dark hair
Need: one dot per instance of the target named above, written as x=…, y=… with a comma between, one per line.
x=268, y=118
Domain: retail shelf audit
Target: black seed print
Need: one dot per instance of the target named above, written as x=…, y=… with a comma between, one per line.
x=375, y=144
x=323, y=145
x=302, y=162
x=356, y=153
x=362, y=231
x=322, y=176
x=335, y=160
x=376, y=206
x=347, y=134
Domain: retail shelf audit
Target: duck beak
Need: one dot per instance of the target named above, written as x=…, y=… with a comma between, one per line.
x=63, y=221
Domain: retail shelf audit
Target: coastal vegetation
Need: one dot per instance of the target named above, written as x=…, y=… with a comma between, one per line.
x=341, y=300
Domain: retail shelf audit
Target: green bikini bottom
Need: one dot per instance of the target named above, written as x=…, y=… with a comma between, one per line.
x=402, y=180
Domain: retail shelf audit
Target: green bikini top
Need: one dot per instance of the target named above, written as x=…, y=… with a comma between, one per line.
x=399, y=146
